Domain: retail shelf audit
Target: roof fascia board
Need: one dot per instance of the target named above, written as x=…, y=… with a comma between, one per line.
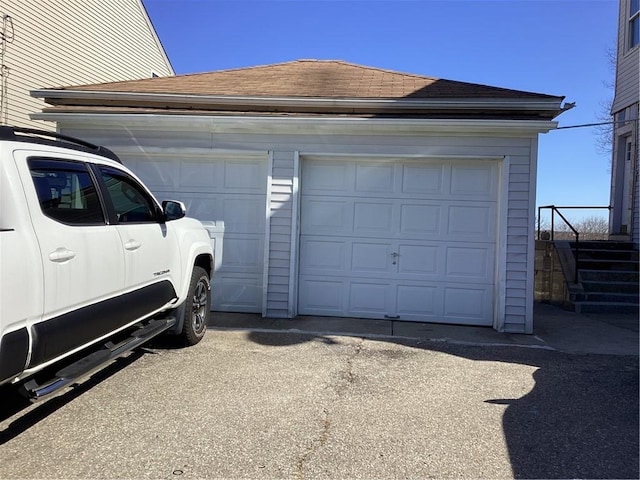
x=302, y=125
x=525, y=104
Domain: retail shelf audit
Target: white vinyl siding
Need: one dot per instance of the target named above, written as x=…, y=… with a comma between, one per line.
x=281, y=220
x=71, y=42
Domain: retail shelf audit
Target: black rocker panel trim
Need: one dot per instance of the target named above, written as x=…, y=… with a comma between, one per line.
x=62, y=334
x=14, y=348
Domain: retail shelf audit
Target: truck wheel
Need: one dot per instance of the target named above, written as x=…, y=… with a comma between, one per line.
x=197, y=308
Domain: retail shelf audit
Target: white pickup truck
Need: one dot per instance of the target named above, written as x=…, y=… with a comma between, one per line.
x=91, y=265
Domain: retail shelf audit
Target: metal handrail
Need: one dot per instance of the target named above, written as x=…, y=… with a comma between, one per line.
x=555, y=209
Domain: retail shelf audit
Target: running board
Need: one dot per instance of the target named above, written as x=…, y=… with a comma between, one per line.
x=93, y=361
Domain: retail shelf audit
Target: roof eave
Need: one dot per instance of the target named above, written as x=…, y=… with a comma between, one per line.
x=306, y=125
x=68, y=96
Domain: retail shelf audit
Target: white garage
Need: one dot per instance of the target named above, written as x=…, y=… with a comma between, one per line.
x=401, y=239
x=340, y=190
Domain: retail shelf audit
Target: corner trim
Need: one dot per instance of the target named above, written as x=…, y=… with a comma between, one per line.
x=267, y=235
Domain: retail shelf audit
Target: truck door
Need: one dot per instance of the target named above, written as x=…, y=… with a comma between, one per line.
x=81, y=255
x=151, y=254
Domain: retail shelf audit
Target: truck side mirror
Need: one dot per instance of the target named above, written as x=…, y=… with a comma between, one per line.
x=173, y=210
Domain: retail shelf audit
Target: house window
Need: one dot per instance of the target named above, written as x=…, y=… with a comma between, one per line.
x=634, y=23
x=622, y=115
x=628, y=150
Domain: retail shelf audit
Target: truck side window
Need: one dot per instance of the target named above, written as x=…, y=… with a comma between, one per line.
x=131, y=202
x=66, y=191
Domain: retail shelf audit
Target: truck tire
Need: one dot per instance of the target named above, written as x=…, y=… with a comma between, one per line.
x=197, y=308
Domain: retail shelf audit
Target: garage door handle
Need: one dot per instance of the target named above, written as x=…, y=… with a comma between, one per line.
x=60, y=255
x=132, y=245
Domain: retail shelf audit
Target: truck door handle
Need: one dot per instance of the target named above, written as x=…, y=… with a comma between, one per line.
x=61, y=255
x=132, y=245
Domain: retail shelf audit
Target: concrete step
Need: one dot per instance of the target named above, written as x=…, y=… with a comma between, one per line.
x=609, y=275
x=605, y=307
x=604, y=245
x=606, y=297
x=601, y=264
x=614, y=287
x=608, y=254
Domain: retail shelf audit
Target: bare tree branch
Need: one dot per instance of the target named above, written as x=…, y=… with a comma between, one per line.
x=604, y=133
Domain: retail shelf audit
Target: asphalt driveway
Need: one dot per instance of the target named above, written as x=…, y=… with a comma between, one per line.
x=283, y=405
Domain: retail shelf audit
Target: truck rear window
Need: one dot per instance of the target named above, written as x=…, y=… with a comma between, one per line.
x=66, y=191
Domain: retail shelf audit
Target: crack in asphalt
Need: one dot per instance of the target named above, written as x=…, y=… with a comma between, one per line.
x=347, y=375
x=347, y=378
x=315, y=445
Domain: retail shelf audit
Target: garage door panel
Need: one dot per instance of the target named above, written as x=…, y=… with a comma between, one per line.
x=468, y=305
x=423, y=179
x=370, y=258
x=157, y=174
x=423, y=301
x=373, y=218
x=421, y=260
x=239, y=293
x=241, y=254
x=198, y=174
x=323, y=217
x=471, y=223
x=248, y=175
x=374, y=178
x=473, y=181
x=322, y=296
x=242, y=213
x=199, y=207
x=321, y=256
x=423, y=220
x=367, y=298
x=326, y=177
x=464, y=263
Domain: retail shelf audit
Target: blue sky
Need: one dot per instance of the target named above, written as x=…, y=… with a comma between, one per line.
x=556, y=47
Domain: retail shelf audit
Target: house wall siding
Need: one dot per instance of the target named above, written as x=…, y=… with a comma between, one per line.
x=627, y=101
x=628, y=64
x=75, y=42
x=635, y=182
x=280, y=217
x=516, y=296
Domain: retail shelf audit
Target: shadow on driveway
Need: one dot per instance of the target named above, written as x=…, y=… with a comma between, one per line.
x=579, y=421
x=12, y=402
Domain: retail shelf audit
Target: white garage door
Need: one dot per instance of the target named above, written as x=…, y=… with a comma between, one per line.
x=228, y=194
x=401, y=239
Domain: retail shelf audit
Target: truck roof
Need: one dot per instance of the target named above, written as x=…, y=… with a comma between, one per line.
x=54, y=139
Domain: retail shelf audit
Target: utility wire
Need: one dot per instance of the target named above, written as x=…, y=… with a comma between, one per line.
x=597, y=124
